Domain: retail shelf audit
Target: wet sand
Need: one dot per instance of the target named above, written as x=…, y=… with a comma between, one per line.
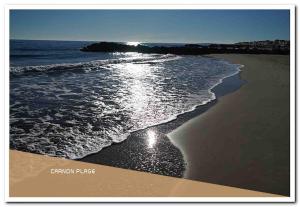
x=243, y=140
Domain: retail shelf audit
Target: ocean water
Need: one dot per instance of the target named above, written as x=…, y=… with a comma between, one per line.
x=68, y=103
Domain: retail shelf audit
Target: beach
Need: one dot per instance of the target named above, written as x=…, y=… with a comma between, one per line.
x=244, y=139
x=240, y=139
x=221, y=119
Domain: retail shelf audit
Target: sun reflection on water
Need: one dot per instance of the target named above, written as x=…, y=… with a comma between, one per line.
x=151, y=138
x=139, y=95
x=133, y=43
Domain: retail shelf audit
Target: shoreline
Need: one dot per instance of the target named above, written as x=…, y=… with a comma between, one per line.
x=216, y=93
x=161, y=158
x=235, y=140
x=243, y=141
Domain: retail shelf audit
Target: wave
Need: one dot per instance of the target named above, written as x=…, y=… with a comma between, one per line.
x=92, y=65
x=213, y=97
x=80, y=115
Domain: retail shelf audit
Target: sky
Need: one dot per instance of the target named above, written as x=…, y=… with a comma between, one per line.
x=162, y=26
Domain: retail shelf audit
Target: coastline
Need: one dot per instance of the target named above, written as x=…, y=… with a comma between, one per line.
x=163, y=157
x=243, y=141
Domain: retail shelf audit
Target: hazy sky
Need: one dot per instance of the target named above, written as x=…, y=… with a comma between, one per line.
x=172, y=26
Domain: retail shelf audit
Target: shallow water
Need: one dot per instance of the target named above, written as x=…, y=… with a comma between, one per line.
x=71, y=104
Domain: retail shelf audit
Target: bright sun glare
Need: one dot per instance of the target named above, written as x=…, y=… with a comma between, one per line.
x=133, y=43
x=151, y=138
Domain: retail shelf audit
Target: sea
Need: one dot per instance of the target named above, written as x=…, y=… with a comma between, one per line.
x=68, y=103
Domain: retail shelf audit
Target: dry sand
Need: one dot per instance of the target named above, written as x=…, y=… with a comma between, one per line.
x=30, y=176
x=244, y=139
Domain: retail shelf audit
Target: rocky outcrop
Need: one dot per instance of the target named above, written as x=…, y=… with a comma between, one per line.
x=188, y=49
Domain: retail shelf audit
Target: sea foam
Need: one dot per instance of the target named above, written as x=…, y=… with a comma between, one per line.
x=73, y=113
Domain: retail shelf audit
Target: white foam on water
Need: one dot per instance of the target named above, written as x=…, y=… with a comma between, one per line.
x=96, y=64
x=72, y=115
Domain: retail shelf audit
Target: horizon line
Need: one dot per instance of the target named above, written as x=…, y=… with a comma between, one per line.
x=149, y=42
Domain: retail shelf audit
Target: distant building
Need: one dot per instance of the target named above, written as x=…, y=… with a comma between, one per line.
x=265, y=45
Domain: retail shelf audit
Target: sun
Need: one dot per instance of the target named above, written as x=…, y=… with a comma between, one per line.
x=133, y=43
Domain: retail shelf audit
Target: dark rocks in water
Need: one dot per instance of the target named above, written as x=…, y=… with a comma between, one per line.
x=108, y=47
x=188, y=49
x=118, y=47
x=193, y=46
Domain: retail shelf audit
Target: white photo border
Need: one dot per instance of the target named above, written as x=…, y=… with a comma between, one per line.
x=291, y=8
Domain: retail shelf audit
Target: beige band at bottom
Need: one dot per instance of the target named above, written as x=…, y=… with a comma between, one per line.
x=32, y=175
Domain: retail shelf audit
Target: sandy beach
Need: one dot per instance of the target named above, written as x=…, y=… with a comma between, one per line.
x=104, y=182
x=243, y=140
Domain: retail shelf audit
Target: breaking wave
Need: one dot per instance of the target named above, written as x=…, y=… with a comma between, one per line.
x=91, y=65
x=71, y=114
